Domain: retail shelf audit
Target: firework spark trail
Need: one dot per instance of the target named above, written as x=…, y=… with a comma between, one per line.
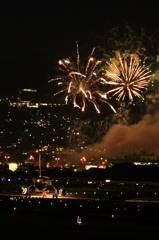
x=81, y=84
x=128, y=77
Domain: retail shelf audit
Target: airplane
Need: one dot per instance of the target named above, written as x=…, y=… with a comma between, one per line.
x=42, y=185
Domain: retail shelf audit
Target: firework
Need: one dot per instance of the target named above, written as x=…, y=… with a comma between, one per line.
x=81, y=84
x=128, y=76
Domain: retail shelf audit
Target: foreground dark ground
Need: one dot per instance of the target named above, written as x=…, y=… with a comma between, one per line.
x=130, y=214
x=48, y=225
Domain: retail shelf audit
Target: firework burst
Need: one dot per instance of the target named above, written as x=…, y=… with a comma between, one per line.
x=81, y=84
x=128, y=76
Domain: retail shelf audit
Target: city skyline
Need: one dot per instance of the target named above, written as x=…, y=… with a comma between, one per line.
x=107, y=141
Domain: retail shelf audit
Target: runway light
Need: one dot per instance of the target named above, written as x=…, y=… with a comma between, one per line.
x=112, y=216
x=15, y=208
x=65, y=204
x=98, y=206
x=80, y=205
x=79, y=220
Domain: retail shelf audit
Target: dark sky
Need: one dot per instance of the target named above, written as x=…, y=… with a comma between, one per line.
x=36, y=34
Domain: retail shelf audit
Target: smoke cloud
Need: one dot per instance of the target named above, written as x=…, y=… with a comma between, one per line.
x=127, y=140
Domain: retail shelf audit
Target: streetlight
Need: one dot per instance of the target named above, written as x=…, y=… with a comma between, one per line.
x=57, y=159
x=6, y=158
x=83, y=160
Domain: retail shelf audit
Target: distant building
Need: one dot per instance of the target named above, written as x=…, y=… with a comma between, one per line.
x=149, y=157
x=28, y=95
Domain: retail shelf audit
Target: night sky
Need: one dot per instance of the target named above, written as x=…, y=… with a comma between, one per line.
x=36, y=34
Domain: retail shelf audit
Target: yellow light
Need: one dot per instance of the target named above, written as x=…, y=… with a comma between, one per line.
x=107, y=180
x=12, y=166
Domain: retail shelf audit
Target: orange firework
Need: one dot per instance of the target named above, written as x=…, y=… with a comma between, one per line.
x=81, y=84
x=128, y=76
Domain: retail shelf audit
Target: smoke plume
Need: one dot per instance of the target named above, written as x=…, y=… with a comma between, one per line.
x=121, y=140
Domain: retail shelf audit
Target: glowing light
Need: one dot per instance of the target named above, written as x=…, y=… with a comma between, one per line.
x=129, y=78
x=31, y=157
x=79, y=220
x=107, y=180
x=81, y=84
x=13, y=166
